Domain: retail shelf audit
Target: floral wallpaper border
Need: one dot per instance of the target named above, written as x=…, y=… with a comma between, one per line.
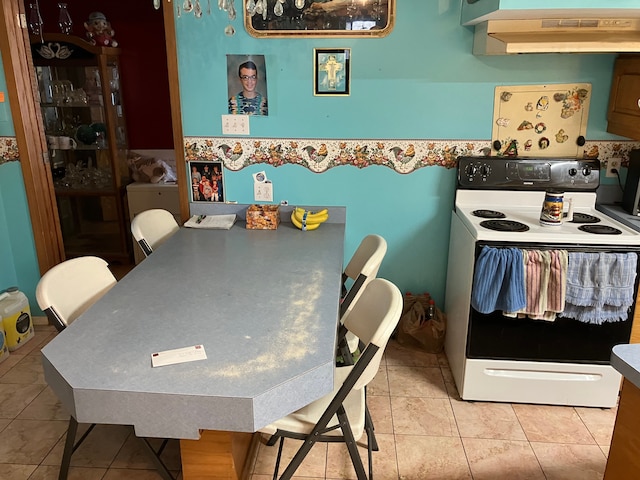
x=318, y=155
x=8, y=150
x=403, y=156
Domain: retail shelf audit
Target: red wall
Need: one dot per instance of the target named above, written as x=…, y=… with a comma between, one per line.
x=139, y=30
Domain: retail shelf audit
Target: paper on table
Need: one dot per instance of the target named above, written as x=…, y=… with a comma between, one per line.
x=178, y=355
x=223, y=222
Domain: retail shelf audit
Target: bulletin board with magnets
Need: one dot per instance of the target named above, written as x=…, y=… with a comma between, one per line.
x=540, y=120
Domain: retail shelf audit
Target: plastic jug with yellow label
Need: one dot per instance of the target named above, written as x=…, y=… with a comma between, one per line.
x=4, y=350
x=16, y=318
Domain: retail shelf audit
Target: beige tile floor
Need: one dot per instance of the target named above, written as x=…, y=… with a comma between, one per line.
x=424, y=430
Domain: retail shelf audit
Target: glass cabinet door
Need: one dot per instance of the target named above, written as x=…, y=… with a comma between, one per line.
x=74, y=124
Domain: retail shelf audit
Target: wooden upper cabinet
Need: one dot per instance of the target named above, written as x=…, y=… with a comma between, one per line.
x=624, y=102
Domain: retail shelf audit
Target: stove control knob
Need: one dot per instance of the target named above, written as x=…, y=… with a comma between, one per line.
x=485, y=170
x=470, y=170
x=586, y=170
x=573, y=172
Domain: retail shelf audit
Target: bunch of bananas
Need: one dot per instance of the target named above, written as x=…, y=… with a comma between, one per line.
x=308, y=220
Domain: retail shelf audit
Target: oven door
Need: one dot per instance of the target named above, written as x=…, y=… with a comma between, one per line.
x=565, y=340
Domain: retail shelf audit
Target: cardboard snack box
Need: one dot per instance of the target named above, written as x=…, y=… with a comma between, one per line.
x=263, y=217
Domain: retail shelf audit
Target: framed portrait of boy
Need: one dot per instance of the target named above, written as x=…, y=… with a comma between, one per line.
x=331, y=71
x=247, y=85
x=206, y=180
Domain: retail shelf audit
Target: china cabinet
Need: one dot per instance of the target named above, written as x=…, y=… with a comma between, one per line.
x=84, y=123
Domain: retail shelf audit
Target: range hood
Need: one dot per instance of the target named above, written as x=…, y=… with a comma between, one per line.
x=504, y=27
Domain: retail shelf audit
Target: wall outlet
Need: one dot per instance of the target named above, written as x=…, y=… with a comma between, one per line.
x=613, y=164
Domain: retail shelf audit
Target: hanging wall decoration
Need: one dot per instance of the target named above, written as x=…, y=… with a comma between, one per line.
x=331, y=71
x=247, y=85
x=206, y=181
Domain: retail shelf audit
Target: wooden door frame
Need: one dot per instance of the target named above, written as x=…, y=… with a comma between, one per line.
x=28, y=125
x=184, y=185
x=29, y=130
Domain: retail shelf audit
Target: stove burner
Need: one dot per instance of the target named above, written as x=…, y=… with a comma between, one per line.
x=600, y=229
x=504, y=225
x=488, y=214
x=584, y=218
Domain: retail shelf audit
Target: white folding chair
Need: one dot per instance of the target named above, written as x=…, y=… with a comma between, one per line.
x=71, y=287
x=341, y=416
x=152, y=227
x=361, y=269
x=63, y=293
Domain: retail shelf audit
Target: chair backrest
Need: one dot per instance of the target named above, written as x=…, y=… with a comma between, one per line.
x=71, y=287
x=363, y=267
x=373, y=319
x=367, y=258
x=152, y=227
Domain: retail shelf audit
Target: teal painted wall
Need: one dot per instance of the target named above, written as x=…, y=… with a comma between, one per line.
x=7, y=261
x=419, y=82
x=6, y=123
x=18, y=260
x=23, y=271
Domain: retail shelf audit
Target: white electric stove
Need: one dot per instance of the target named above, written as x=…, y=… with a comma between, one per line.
x=498, y=358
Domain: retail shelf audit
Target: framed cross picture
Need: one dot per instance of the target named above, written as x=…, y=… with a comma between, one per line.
x=331, y=71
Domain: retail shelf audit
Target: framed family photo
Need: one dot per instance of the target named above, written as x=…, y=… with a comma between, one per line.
x=206, y=179
x=331, y=71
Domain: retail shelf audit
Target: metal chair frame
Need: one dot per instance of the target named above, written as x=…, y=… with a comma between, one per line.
x=300, y=425
x=322, y=427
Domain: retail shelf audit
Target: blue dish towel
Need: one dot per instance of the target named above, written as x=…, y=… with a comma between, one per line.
x=498, y=280
x=600, y=286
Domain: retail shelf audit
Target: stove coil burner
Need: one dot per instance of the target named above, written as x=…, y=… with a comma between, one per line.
x=600, y=229
x=504, y=225
x=488, y=214
x=584, y=218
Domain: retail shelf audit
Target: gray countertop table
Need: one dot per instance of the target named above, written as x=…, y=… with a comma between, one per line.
x=263, y=303
x=620, y=214
x=625, y=359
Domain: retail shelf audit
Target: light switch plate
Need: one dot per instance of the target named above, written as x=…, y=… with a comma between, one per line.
x=235, y=125
x=263, y=192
